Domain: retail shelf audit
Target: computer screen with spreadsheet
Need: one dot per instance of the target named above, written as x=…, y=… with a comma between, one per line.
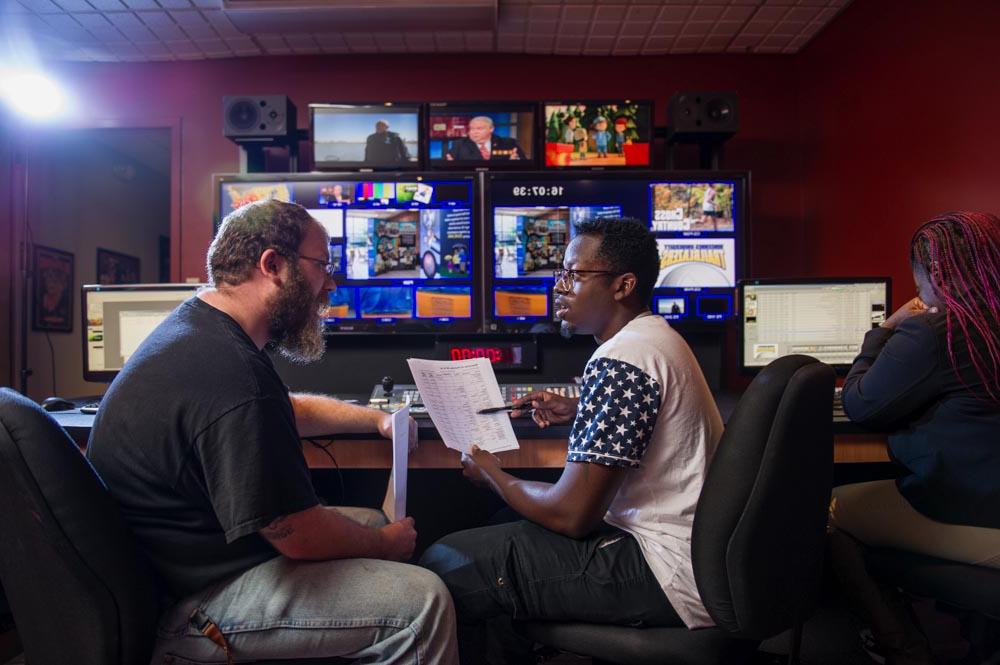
x=823, y=318
x=116, y=319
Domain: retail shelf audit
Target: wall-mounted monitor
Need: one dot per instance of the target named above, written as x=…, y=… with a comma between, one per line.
x=117, y=318
x=384, y=136
x=826, y=318
x=403, y=244
x=698, y=219
x=499, y=135
x=598, y=134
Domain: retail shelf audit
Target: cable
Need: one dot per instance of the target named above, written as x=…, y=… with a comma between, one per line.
x=325, y=447
x=52, y=358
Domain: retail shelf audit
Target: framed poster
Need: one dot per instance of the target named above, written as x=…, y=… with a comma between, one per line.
x=52, y=309
x=116, y=268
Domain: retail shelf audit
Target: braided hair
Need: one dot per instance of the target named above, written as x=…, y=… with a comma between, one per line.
x=960, y=252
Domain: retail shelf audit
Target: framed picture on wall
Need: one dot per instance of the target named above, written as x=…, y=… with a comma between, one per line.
x=116, y=268
x=52, y=310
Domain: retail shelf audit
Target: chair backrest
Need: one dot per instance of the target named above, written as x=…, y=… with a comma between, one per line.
x=760, y=524
x=78, y=586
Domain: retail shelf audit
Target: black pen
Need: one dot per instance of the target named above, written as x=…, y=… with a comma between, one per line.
x=497, y=409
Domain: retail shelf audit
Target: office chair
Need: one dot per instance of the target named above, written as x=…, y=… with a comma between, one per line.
x=758, y=536
x=80, y=590
x=974, y=591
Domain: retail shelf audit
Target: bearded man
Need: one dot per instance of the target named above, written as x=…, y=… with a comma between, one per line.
x=198, y=440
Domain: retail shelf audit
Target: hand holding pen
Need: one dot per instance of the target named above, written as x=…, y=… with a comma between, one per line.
x=546, y=408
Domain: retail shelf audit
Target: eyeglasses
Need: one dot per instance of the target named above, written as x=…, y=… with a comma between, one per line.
x=570, y=276
x=327, y=266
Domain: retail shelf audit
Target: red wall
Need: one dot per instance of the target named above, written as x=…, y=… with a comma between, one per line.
x=898, y=110
x=192, y=91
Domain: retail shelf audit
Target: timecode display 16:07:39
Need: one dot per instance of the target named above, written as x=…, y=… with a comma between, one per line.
x=538, y=190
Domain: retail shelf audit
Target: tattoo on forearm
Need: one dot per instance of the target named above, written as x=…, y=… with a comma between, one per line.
x=278, y=530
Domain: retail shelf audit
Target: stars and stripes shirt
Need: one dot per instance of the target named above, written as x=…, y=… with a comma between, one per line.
x=645, y=405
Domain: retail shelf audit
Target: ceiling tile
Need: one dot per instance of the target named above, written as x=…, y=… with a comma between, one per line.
x=545, y=13
x=41, y=6
x=175, y=4
x=671, y=28
x=577, y=13
x=141, y=4
x=221, y=23
x=574, y=28
x=609, y=12
x=706, y=13
x=605, y=29
x=539, y=44
x=642, y=13
x=109, y=5
x=737, y=13
x=542, y=27
x=635, y=29
x=75, y=5
x=214, y=48
x=674, y=14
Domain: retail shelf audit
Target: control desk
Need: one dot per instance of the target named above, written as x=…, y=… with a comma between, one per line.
x=389, y=397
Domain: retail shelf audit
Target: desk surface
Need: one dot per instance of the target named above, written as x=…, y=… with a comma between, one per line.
x=540, y=448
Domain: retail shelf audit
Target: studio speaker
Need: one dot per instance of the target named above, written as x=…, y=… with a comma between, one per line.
x=698, y=116
x=258, y=118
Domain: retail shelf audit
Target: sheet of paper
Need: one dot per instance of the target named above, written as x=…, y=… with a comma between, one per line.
x=394, y=505
x=453, y=391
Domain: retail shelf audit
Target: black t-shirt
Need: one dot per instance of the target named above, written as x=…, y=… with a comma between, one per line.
x=196, y=440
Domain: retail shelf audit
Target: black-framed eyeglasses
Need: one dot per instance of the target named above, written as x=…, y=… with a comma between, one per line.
x=572, y=275
x=326, y=264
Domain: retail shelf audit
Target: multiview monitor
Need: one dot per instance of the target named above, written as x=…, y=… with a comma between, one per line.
x=382, y=136
x=698, y=219
x=499, y=135
x=116, y=319
x=402, y=245
x=826, y=318
x=598, y=134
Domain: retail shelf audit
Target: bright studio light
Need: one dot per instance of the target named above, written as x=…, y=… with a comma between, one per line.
x=31, y=94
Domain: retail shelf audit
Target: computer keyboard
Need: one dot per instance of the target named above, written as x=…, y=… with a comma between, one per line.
x=838, y=407
x=408, y=395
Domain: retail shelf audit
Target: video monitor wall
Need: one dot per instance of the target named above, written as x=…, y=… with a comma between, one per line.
x=530, y=219
x=608, y=134
x=373, y=136
x=471, y=136
x=403, y=245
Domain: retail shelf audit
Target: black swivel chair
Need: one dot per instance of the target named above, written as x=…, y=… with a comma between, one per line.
x=77, y=584
x=759, y=531
x=974, y=591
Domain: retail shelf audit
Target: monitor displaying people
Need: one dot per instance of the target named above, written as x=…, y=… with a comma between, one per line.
x=498, y=136
x=347, y=136
x=598, y=134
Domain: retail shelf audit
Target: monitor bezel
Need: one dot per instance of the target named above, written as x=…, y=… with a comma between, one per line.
x=413, y=325
x=107, y=376
x=473, y=107
x=336, y=167
x=649, y=103
x=839, y=368
x=741, y=235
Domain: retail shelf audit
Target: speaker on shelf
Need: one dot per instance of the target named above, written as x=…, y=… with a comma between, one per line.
x=702, y=116
x=258, y=118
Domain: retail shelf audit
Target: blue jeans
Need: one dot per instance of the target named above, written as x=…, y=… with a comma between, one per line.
x=366, y=609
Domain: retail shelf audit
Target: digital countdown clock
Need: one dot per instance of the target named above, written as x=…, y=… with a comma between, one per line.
x=503, y=354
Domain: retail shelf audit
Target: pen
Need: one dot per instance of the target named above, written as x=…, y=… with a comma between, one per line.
x=497, y=409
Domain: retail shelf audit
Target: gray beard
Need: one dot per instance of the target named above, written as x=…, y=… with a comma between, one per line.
x=296, y=328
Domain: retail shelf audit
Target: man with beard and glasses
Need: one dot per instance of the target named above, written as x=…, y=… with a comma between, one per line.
x=198, y=441
x=609, y=542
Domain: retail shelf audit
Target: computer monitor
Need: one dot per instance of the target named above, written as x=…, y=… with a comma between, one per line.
x=598, y=134
x=499, y=135
x=531, y=218
x=117, y=318
x=403, y=244
x=383, y=136
x=826, y=318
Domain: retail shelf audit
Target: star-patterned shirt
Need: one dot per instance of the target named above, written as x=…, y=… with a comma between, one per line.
x=645, y=405
x=617, y=412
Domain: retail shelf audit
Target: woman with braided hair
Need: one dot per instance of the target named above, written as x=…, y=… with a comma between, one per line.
x=930, y=375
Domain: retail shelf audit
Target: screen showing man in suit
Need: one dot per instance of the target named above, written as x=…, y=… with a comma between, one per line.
x=480, y=143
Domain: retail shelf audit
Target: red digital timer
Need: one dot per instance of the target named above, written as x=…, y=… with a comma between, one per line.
x=502, y=354
x=496, y=354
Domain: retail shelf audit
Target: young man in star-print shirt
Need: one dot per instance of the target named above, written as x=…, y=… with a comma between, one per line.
x=609, y=542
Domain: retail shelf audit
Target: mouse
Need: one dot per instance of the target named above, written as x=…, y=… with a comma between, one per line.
x=57, y=404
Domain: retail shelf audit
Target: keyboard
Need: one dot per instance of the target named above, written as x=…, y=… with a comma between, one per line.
x=838, y=407
x=408, y=395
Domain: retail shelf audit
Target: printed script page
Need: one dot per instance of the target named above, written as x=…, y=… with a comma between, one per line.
x=453, y=391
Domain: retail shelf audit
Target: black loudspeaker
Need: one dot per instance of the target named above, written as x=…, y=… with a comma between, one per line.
x=702, y=116
x=258, y=118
